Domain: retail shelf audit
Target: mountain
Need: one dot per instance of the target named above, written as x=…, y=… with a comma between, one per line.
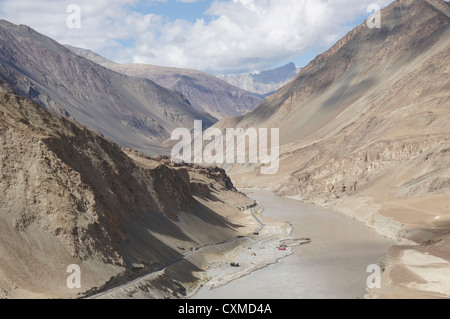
x=365, y=129
x=265, y=82
x=134, y=112
x=205, y=92
x=91, y=55
x=71, y=197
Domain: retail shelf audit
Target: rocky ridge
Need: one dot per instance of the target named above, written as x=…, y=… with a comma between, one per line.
x=265, y=82
x=204, y=91
x=134, y=112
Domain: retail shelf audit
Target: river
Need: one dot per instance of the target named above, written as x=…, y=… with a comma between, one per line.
x=334, y=265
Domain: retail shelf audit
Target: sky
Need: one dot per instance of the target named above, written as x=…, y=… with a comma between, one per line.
x=216, y=36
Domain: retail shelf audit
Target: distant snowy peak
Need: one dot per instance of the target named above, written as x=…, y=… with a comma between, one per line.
x=265, y=82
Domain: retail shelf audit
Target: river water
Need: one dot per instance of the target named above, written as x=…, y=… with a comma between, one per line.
x=333, y=265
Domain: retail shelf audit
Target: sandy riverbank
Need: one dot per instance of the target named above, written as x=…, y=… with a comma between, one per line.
x=418, y=263
x=256, y=251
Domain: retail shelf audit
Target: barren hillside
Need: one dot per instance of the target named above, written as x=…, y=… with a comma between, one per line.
x=134, y=112
x=69, y=196
x=365, y=129
x=204, y=91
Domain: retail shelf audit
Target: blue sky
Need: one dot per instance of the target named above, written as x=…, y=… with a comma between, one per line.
x=174, y=10
x=219, y=37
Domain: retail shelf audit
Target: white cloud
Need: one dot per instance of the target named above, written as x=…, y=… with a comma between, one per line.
x=236, y=35
x=250, y=34
x=101, y=20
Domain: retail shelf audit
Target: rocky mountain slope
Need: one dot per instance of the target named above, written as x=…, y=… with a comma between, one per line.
x=70, y=196
x=205, y=92
x=133, y=112
x=265, y=82
x=365, y=129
